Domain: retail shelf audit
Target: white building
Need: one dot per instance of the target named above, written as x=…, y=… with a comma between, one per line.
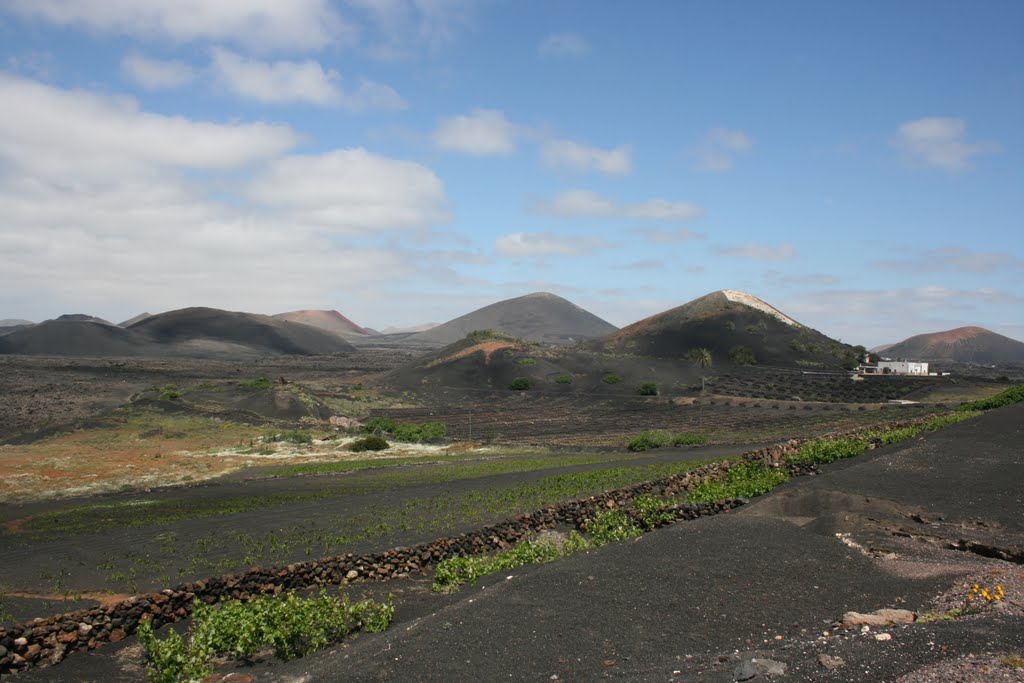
x=895, y=367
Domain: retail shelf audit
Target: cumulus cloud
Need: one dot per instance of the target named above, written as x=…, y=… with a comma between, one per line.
x=939, y=142
x=156, y=74
x=959, y=259
x=353, y=190
x=257, y=24
x=100, y=211
x=759, y=252
x=566, y=44
x=581, y=157
x=74, y=135
x=541, y=244
x=483, y=132
x=586, y=203
x=284, y=82
x=715, y=151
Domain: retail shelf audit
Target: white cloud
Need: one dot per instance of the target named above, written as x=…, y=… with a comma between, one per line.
x=582, y=203
x=939, y=142
x=258, y=24
x=100, y=210
x=541, y=244
x=406, y=27
x=663, y=236
x=75, y=136
x=759, y=252
x=484, y=132
x=565, y=44
x=581, y=157
x=352, y=190
x=715, y=151
x=958, y=259
x=284, y=82
x=156, y=74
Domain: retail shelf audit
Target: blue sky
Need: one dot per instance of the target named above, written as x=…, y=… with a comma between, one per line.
x=858, y=165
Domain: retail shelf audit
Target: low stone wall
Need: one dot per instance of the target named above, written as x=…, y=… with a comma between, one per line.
x=50, y=640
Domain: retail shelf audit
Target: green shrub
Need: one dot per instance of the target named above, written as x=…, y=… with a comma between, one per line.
x=745, y=479
x=369, y=443
x=652, y=510
x=170, y=393
x=259, y=383
x=689, y=440
x=647, y=389
x=823, y=451
x=659, y=437
x=289, y=625
x=1003, y=398
x=609, y=526
x=520, y=384
x=413, y=433
x=525, y=361
x=488, y=334
x=611, y=378
x=380, y=425
x=650, y=439
x=742, y=355
x=455, y=571
x=563, y=379
x=941, y=421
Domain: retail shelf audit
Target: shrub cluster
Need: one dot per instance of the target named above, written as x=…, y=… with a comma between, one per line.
x=295, y=436
x=647, y=389
x=742, y=355
x=662, y=437
x=651, y=510
x=826, y=450
x=611, y=378
x=744, y=480
x=1003, y=398
x=289, y=625
x=563, y=379
x=520, y=384
x=369, y=443
x=489, y=334
x=405, y=431
x=258, y=383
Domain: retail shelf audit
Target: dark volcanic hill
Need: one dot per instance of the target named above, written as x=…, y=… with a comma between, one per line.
x=84, y=317
x=330, y=321
x=963, y=345
x=63, y=337
x=210, y=330
x=725, y=323
x=540, y=317
x=135, y=318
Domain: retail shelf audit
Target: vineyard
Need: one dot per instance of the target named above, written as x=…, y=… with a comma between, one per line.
x=782, y=384
x=576, y=422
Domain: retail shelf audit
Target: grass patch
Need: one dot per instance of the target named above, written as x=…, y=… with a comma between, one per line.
x=294, y=436
x=369, y=443
x=744, y=480
x=563, y=379
x=525, y=361
x=407, y=432
x=825, y=450
x=611, y=378
x=256, y=384
x=289, y=625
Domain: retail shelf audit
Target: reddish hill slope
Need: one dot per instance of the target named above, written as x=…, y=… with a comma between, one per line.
x=963, y=345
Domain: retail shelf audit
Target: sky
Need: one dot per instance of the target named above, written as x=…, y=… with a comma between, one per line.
x=859, y=166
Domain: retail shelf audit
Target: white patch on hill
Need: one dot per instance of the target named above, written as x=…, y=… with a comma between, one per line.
x=752, y=301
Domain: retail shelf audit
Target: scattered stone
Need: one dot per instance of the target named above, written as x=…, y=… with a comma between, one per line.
x=749, y=668
x=830, y=662
x=882, y=617
x=883, y=636
x=352, y=574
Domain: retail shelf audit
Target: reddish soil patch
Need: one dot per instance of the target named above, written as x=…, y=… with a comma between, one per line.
x=488, y=349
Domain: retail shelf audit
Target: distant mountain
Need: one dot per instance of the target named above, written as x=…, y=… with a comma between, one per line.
x=82, y=317
x=735, y=327
x=211, y=330
x=64, y=337
x=134, y=319
x=412, y=329
x=330, y=321
x=13, y=322
x=963, y=345
x=540, y=317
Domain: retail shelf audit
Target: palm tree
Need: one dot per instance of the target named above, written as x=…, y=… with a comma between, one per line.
x=702, y=357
